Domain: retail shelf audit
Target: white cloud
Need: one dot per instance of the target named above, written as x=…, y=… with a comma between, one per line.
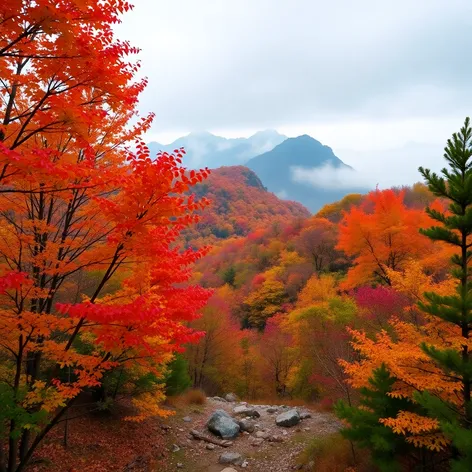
x=242, y=64
x=330, y=177
x=383, y=168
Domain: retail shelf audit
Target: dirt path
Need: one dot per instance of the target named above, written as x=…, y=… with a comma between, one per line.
x=188, y=454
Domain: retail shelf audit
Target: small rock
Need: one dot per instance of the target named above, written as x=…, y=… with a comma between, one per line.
x=187, y=419
x=175, y=448
x=288, y=418
x=306, y=429
x=284, y=433
x=257, y=441
x=304, y=415
x=231, y=397
x=243, y=410
x=229, y=469
x=210, y=447
x=219, y=399
x=246, y=425
x=276, y=439
x=262, y=434
x=180, y=465
x=244, y=464
x=231, y=458
x=272, y=409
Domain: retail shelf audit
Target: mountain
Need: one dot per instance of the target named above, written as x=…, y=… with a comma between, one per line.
x=240, y=205
x=207, y=150
x=304, y=170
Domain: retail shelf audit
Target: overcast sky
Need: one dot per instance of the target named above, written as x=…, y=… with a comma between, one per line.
x=357, y=75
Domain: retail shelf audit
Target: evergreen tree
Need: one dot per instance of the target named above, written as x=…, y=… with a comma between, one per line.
x=364, y=427
x=229, y=276
x=454, y=228
x=178, y=379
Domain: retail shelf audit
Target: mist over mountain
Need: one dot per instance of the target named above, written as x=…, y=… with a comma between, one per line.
x=304, y=170
x=207, y=150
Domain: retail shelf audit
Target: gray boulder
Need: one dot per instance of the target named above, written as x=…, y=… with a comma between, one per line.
x=272, y=409
x=288, y=418
x=221, y=424
x=243, y=410
x=231, y=458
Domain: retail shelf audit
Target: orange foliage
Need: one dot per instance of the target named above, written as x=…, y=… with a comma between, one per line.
x=402, y=354
x=384, y=234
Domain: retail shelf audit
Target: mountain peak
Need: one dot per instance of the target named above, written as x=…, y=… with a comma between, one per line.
x=276, y=169
x=267, y=133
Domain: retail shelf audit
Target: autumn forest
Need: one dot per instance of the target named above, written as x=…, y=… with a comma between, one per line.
x=132, y=287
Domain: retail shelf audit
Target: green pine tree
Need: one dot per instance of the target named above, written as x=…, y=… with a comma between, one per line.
x=364, y=428
x=178, y=379
x=455, y=185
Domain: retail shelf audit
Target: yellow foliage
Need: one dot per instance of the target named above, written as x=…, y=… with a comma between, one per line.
x=317, y=290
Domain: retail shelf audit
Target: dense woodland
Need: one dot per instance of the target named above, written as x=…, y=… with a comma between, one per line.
x=125, y=275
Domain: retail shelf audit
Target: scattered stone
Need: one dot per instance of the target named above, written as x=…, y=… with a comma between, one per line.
x=272, y=409
x=219, y=399
x=288, y=418
x=175, y=448
x=187, y=419
x=262, y=434
x=257, y=441
x=304, y=415
x=211, y=447
x=306, y=429
x=221, y=424
x=244, y=464
x=231, y=397
x=243, y=410
x=231, y=458
x=180, y=465
x=284, y=433
x=229, y=469
x=246, y=425
x=276, y=439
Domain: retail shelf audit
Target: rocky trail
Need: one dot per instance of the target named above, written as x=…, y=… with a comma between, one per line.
x=240, y=436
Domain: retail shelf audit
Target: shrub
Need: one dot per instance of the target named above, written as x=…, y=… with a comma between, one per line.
x=332, y=454
x=194, y=397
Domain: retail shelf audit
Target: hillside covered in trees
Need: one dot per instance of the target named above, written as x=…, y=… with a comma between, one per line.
x=137, y=295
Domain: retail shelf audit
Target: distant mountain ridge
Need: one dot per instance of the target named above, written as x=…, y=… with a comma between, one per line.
x=300, y=169
x=207, y=150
